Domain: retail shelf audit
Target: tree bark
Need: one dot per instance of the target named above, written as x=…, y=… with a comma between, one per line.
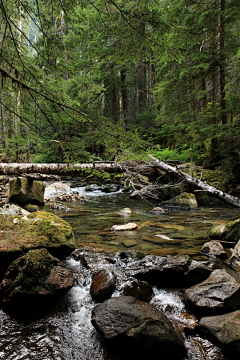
x=63, y=169
x=235, y=201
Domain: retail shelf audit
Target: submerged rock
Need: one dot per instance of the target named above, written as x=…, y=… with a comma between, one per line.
x=230, y=231
x=164, y=270
x=103, y=285
x=224, y=330
x=214, y=248
x=218, y=293
x=26, y=191
x=126, y=227
x=133, y=329
x=157, y=211
x=125, y=211
x=34, y=277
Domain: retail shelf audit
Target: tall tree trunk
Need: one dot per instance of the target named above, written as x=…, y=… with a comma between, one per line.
x=124, y=97
x=222, y=62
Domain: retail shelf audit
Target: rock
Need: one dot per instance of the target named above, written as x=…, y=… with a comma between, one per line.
x=144, y=192
x=214, y=248
x=218, y=293
x=129, y=243
x=92, y=187
x=126, y=227
x=199, y=271
x=59, y=206
x=183, y=200
x=139, y=289
x=157, y=211
x=26, y=191
x=110, y=188
x=230, y=231
x=133, y=329
x=103, y=285
x=235, y=257
x=205, y=198
x=57, y=188
x=164, y=270
x=39, y=230
x=70, y=198
x=14, y=210
x=36, y=276
x=125, y=211
x=224, y=330
x=32, y=208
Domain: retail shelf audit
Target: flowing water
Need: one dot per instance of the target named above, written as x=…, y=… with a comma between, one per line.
x=64, y=332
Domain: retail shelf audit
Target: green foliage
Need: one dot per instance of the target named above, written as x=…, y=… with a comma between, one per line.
x=166, y=154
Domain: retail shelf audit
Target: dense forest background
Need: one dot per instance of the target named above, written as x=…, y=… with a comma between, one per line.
x=101, y=79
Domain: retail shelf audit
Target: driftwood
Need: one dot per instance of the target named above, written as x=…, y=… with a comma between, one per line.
x=63, y=169
x=175, y=171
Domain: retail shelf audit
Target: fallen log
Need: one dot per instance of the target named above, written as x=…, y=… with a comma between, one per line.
x=20, y=168
x=175, y=171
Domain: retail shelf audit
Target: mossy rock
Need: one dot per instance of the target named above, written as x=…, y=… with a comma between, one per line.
x=39, y=230
x=184, y=200
x=230, y=231
x=26, y=191
x=36, y=275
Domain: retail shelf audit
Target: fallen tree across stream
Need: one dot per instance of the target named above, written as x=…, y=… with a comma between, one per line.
x=20, y=168
x=175, y=171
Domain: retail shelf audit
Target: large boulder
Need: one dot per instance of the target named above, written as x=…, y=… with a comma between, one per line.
x=37, y=230
x=33, y=277
x=225, y=331
x=218, y=293
x=133, y=329
x=103, y=285
x=139, y=289
x=230, y=231
x=163, y=270
x=26, y=191
x=235, y=256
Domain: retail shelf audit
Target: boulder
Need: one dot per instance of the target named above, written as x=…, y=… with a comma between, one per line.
x=163, y=270
x=110, y=188
x=139, y=289
x=37, y=230
x=214, y=248
x=235, y=257
x=26, y=191
x=224, y=330
x=218, y=293
x=33, y=277
x=230, y=231
x=103, y=285
x=126, y=227
x=57, y=188
x=32, y=208
x=199, y=271
x=205, y=198
x=14, y=210
x=185, y=200
x=59, y=206
x=70, y=198
x=133, y=329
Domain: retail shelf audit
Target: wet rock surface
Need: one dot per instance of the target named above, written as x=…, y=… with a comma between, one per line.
x=161, y=270
x=235, y=256
x=185, y=200
x=139, y=289
x=103, y=285
x=34, y=277
x=224, y=330
x=126, y=227
x=219, y=293
x=230, y=231
x=214, y=248
x=199, y=271
x=135, y=329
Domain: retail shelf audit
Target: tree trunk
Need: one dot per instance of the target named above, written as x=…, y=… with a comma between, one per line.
x=222, y=61
x=235, y=201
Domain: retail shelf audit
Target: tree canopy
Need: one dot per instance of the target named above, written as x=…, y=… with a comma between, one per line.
x=110, y=78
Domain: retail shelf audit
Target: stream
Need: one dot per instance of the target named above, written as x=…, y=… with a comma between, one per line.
x=64, y=331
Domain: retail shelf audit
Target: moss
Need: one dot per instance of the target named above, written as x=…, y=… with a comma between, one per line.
x=230, y=231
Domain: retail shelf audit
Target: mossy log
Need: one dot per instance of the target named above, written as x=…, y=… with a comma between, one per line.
x=175, y=171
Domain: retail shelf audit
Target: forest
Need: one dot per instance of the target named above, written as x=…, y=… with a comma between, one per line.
x=112, y=80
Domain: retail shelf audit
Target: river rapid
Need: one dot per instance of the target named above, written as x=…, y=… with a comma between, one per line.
x=64, y=331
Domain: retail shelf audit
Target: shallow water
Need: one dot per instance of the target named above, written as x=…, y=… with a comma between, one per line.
x=65, y=331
